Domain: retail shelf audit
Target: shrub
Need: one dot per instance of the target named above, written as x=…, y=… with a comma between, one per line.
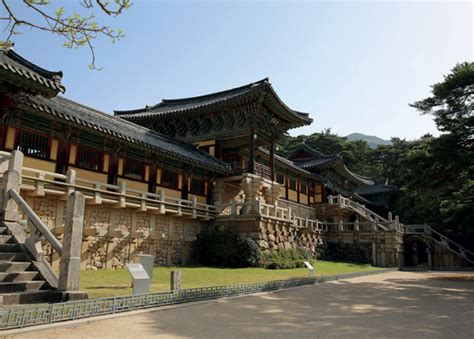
x=219, y=247
x=355, y=252
x=285, y=259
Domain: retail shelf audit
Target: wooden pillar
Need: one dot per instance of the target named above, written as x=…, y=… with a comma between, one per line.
x=272, y=161
x=152, y=179
x=62, y=158
x=113, y=170
x=218, y=149
x=251, y=162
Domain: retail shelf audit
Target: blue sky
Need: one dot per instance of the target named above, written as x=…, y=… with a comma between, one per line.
x=354, y=66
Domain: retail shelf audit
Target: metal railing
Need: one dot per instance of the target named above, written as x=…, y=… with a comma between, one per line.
x=31, y=315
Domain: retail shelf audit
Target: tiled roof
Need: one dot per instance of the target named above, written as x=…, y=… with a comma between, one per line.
x=12, y=63
x=304, y=148
x=289, y=163
x=379, y=187
x=321, y=161
x=318, y=162
x=181, y=106
x=76, y=113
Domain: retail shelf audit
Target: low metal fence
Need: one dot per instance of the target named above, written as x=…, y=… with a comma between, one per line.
x=31, y=315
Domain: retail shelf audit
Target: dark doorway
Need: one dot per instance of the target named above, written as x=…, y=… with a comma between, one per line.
x=416, y=253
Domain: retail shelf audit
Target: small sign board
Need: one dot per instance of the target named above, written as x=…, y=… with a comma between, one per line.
x=310, y=269
x=140, y=278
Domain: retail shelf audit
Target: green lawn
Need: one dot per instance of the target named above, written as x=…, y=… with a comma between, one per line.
x=109, y=283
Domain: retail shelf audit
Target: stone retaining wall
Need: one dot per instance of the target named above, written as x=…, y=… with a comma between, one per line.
x=113, y=236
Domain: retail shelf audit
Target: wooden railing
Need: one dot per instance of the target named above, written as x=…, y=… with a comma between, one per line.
x=260, y=169
x=40, y=183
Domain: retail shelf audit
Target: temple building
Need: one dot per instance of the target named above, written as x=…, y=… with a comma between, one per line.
x=154, y=177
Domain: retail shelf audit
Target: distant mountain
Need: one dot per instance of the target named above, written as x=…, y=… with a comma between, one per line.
x=372, y=140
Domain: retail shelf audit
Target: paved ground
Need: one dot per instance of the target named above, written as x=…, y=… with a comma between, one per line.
x=392, y=305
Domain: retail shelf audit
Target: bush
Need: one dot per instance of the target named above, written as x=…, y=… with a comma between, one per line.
x=219, y=247
x=356, y=252
x=285, y=259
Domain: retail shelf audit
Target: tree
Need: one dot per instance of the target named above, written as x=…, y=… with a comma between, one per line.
x=77, y=30
x=452, y=104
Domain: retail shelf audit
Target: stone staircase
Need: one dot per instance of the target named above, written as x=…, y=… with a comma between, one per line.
x=441, y=239
x=22, y=279
x=361, y=210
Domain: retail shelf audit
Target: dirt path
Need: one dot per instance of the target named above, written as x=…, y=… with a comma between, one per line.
x=392, y=305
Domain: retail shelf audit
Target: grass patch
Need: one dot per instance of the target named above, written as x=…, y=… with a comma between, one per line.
x=110, y=283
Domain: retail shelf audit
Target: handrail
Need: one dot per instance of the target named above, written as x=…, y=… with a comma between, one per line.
x=31, y=215
x=121, y=193
x=358, y=208
x=443, y=240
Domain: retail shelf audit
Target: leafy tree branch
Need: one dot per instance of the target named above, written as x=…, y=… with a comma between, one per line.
x=77, y=30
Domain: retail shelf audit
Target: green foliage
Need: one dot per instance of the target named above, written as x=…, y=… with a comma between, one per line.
x=434, y=175
x=354, y=252
x=76, y=29
x=284, y=259
x=220, y=247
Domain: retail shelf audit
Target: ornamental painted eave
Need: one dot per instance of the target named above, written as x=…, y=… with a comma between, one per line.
x=17, y=71
x=74, y=113
x=256, y=93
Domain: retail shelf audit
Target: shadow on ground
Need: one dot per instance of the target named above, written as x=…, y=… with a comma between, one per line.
x=402, y=305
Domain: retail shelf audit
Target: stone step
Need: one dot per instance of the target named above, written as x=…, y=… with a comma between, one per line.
x=10, y=247
x=12, y=266
x=21, y=286
x=28, y=297
x=18, y=276
x=3, y=230
x=13, y=256
x=6, y=238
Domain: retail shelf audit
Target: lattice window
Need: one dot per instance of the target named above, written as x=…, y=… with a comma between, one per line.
x=292, y=184
x=303, y=187
x=134, y=169
x=89, y=158
x=169, y=179
x=35, y=145
x=198, y=187
x=280, y=179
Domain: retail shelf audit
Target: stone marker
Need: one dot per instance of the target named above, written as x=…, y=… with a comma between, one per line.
x=310, y=268
x=147, y=262
x=175, y=281
x=140, y=279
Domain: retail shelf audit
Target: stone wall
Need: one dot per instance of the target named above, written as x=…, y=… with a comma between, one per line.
x=113, y=236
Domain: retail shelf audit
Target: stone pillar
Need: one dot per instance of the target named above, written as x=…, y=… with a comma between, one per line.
x=251, y=185
x=72, y=243
x=374, y=254
x=430, y=257
x=175, y=281
x=11, y=180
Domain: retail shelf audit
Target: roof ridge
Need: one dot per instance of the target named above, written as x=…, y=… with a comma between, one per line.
x=22, y=61
x=165, y=102
x=198, y=97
